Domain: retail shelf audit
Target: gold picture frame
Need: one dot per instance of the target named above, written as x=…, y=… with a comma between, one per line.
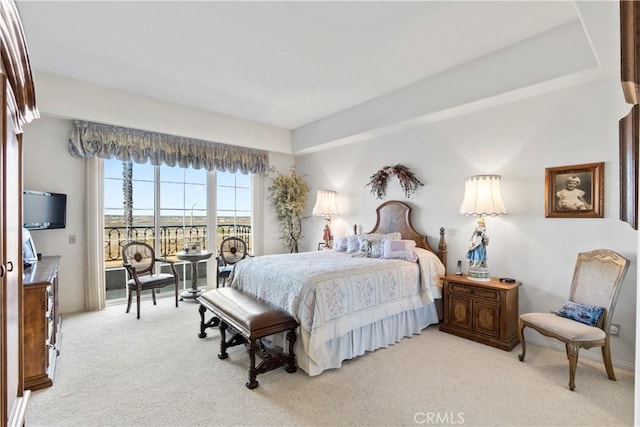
x=574, y=191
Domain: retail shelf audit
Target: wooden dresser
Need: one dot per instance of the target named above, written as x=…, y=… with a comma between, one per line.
x=486, y=312
x=17, y=98
x=41, y=322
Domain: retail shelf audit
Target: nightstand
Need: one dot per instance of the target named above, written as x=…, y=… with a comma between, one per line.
x=486, y=312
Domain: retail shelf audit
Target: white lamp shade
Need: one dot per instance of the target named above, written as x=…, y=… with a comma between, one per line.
x=482, y=196
x=325, y=204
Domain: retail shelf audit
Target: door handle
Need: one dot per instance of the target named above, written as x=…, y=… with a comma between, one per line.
x=9, y=266
x=1, y=270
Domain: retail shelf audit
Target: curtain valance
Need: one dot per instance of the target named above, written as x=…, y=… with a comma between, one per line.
x=90, y=139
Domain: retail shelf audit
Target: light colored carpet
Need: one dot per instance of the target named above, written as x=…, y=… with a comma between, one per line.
x=114, y=370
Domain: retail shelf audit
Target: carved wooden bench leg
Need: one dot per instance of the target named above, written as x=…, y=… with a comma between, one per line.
x=291, y=362
x=213, y=322
x=253, y=372
x=223, y=342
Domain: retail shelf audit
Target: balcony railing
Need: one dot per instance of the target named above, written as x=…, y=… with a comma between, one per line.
x=172, y=237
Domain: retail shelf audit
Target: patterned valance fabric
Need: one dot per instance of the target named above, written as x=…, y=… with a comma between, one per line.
x=90, y=139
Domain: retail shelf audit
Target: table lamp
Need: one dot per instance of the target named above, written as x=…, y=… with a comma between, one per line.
x=482, y=197
x=326, y=206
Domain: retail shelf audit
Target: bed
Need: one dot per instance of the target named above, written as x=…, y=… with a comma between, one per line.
x=348, y=303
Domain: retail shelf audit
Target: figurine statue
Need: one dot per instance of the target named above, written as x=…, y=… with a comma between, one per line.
x=477, y=253
x=326, y=236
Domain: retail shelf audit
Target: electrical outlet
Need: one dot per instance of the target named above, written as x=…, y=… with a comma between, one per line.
x=614, y=330
x=72, y=239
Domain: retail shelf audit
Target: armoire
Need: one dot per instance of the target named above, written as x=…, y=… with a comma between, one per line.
x=18, y=101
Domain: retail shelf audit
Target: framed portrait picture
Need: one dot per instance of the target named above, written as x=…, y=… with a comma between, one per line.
x=574, y=191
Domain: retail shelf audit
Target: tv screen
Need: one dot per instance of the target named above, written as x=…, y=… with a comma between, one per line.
x=41, y=210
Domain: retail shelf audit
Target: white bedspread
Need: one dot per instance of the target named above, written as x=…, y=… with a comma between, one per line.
x=332, y=294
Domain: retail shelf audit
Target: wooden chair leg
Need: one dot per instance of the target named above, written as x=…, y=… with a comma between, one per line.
x=153, y=296
x=129, y=300
x=572, y=353
x=606, y=356
x=176, y=292
x=138, y=301
x=523, y=344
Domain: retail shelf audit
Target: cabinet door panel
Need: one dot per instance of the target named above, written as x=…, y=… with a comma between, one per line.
x=460, y=311
x=486, y=318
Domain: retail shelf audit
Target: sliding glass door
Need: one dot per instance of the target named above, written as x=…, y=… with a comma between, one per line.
x=183, y=209
x=234, y=207
x=165, y=207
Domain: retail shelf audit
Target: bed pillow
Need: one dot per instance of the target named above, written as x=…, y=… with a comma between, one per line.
x=364, y=251
x=399, y=249
x=353, y=244
x=583, y=313
x=378, y=248
x=393, y=236
x=370, y=244
x=373, y=243
x=340, y=244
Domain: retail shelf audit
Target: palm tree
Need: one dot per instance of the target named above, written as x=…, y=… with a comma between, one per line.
x=127, y=196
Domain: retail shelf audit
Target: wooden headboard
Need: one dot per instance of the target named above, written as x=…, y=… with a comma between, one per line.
x=394, y=216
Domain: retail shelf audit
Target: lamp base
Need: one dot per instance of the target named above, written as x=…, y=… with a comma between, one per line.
x=481, y=274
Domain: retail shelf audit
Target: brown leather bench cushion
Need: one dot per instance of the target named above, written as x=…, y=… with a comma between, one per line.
x=252, y=317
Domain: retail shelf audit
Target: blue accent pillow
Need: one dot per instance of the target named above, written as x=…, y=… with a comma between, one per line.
x=584, y=313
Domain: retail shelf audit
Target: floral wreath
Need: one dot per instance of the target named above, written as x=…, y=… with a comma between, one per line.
x=408, y=180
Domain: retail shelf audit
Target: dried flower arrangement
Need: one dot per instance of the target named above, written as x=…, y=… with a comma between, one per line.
x=288, y=194
x=408, y=181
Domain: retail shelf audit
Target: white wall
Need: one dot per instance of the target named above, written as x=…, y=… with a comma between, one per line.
x=67, y=98
x=47, y=166
x=518, y=141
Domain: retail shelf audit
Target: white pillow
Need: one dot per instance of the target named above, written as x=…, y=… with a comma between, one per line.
x=353, y=244
x=340, y=244
x=394, y=236
x=399, y=249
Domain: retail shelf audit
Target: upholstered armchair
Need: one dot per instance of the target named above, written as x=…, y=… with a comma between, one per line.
x=585, y=319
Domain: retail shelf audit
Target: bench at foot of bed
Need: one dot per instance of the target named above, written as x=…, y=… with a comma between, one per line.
x=249, y=319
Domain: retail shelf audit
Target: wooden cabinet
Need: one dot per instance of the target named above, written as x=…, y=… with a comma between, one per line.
x=41, y=322
x=486, y=312
x=18, y=107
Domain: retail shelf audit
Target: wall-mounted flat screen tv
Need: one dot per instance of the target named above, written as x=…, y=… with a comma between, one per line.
x=42, y=210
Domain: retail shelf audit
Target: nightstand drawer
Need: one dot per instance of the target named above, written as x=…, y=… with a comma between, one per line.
x=491, y=294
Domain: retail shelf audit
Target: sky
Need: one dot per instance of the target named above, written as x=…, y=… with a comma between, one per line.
x=181, y=191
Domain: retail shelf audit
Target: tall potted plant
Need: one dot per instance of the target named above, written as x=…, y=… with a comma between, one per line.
x=288, y=194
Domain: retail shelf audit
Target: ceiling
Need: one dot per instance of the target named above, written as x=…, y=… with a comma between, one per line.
x=285, y=64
